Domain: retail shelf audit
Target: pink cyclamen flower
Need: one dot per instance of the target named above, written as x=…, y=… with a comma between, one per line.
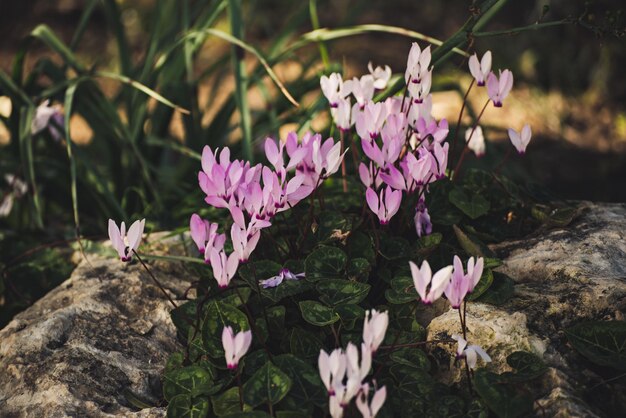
x=243, y=242
x=224, y=268
x=327, y=157
x=369, y=410
x=481, y=70
x=520, y=140
x=381, y=75
x=374, y=328
x=470, y=352
x=124, y=243
x=362, y=89
x=203, y=233
x=417, y=63
x=474, y=271
x=48, y=117
x=499, y=87
x=386, y=205
x=235, y=345
x=284, y=274
x=342, y=114
x=475, y=140
x=459, y=284
x=429, y=287
x=423, y=226
x=332, y=368
x=333, y=88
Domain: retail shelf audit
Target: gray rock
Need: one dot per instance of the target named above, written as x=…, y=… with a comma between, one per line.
x=563, y=276
x=81, y=349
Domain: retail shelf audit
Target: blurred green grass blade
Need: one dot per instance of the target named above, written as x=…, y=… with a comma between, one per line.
x=141, y=87
x=82, y=23
x=326, y=34
x=68, y=105
x=11, y=89
x=229, y=38
x=241, y=82
x=45, y=34
x=315, y=23
x=114, y=17
x=26, y=150
x=176, y=146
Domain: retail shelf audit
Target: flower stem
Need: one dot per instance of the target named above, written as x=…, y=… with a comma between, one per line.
x=455, y=173
x=155, y=280
x=458, y=122
x=240, y=389
x=343, y=163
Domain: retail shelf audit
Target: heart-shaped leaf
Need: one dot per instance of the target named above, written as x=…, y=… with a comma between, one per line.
x=219, y=315
x=184, y=406
x=602, y=342
x=502, y=398
x=474, y=206
x=190, y=380
x=325, y=263
x=268, y=385
x=317, y=314
x=338, y=291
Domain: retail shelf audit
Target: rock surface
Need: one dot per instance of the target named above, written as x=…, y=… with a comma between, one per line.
x=562, y=277
x=81, y=350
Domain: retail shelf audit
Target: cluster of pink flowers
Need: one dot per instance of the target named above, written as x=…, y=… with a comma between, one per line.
x=452, y=281
x=498, y=88
x=255, y=194
x=402, y=142
x=343, y=372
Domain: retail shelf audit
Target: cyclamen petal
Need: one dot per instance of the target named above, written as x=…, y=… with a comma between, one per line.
x=428, y=287
x=235, y=345
x=520, y=140
x=124, y=243
x=481, y=70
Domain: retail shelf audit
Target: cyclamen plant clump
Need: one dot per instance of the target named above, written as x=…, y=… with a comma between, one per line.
x=309, y=305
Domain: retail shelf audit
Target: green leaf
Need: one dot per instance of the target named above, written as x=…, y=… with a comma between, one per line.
x=339, y=291
x=190, y=380
x=471, y=246
x=268, y=385
x=228, y=403
x=394, y=248
x=249, y=414
x=500, y=291
x=258, y=270
x=500, y=397
x=307, y=387
x=358, y=268
x=184, y=406
x=486, y=280
x=428, y=243
x=527, y=366
x=333, y=226
x=304, y=344
x=317, y=314
x=349, y=314
x=174, y=361
x=602, y=342
x=474, y=207
x=234, y=296
x=361, y=245
x=325, y=263
x=412, y=357
x=402, y=291
x=184, y=316
x=219, y=315
x=286, y=289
